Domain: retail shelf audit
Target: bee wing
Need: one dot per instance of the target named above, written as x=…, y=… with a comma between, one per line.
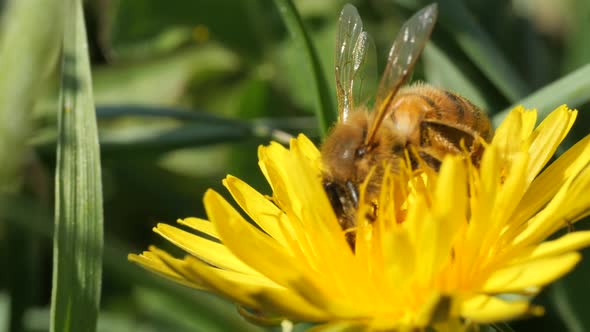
x=354, y=58
x=403, y=55
x=365, y=80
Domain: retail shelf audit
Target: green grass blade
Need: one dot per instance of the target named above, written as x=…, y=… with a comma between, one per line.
x=4, y=311
x=196, y=129
x=572, y=89
x=29, y=48
x=480, y=48
x=477, y=44
x=577, y=43
x=570, y=306
x=78, y=237
x=325, y=110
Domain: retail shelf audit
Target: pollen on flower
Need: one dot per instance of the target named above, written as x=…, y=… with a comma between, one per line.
x=432, y=248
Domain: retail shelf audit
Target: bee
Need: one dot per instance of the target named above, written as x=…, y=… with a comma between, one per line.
x=419, y=122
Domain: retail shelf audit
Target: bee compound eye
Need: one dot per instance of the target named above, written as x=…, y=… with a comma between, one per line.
x=331, y=190
x=360, y=152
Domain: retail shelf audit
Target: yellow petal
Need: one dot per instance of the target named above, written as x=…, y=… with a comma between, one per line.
x=150, y=262
x=228, y=283
x=569, y=242
x=330, y=294
x=322, y=218
x=547, y=137
x=268, y=297
x=246, y=242
x=506, y=203
x=267, y=154
x=550, y=181
x=399, y=258
x=297, y=184
x=165, y=265
x=245, y=281
x=513, y=133
x=488, y=309
x=292, y=305
x=533, y=273
x=309, y=150
x=275, y=161
x=308, y=232
x=200, y=225
x=211, y=252
x=448, y=215
x=486, y=186
x=569, y=205
x=266, y=214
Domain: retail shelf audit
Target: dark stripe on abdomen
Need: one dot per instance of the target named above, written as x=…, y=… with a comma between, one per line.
x=430, y=103
x=460, y=108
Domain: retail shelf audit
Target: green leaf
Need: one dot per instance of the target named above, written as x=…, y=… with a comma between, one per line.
x=146, y=139
x=136, y=22
x=577, y=43
x=325, y=110
x=481, y=49
x=4, y=311
x=29, y=47
x=565, y=298
x=147, y=111
x=78, y=232
x=162, y=80
x=196, y=129
x=572, y=89
x=478, y=45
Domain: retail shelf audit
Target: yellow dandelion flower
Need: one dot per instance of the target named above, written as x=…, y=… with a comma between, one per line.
x=446, y=248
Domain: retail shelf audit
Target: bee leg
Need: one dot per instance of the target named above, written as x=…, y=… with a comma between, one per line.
x=477, y=150
x=372, y=215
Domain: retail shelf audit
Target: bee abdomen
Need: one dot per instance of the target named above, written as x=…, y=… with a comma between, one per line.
x=447, y=108
x=442, y=121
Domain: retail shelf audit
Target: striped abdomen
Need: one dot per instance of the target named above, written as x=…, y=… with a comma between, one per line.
x=437, y=122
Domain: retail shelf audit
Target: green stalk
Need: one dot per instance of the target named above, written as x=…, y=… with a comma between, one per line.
x=325, y=110
x=78, y=231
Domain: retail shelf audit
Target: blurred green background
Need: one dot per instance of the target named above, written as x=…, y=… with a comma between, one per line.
x=186, y=90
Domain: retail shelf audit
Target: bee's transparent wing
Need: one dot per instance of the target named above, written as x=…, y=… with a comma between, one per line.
x=403, y=55
x=354, y=58
x=365, y=80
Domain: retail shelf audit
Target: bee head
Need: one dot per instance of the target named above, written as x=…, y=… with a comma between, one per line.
x=343, y=148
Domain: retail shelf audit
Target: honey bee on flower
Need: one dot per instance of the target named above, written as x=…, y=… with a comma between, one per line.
x=441, y=231
x=420, y=121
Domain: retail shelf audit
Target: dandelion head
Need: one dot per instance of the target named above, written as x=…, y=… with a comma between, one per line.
x=464, y=245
